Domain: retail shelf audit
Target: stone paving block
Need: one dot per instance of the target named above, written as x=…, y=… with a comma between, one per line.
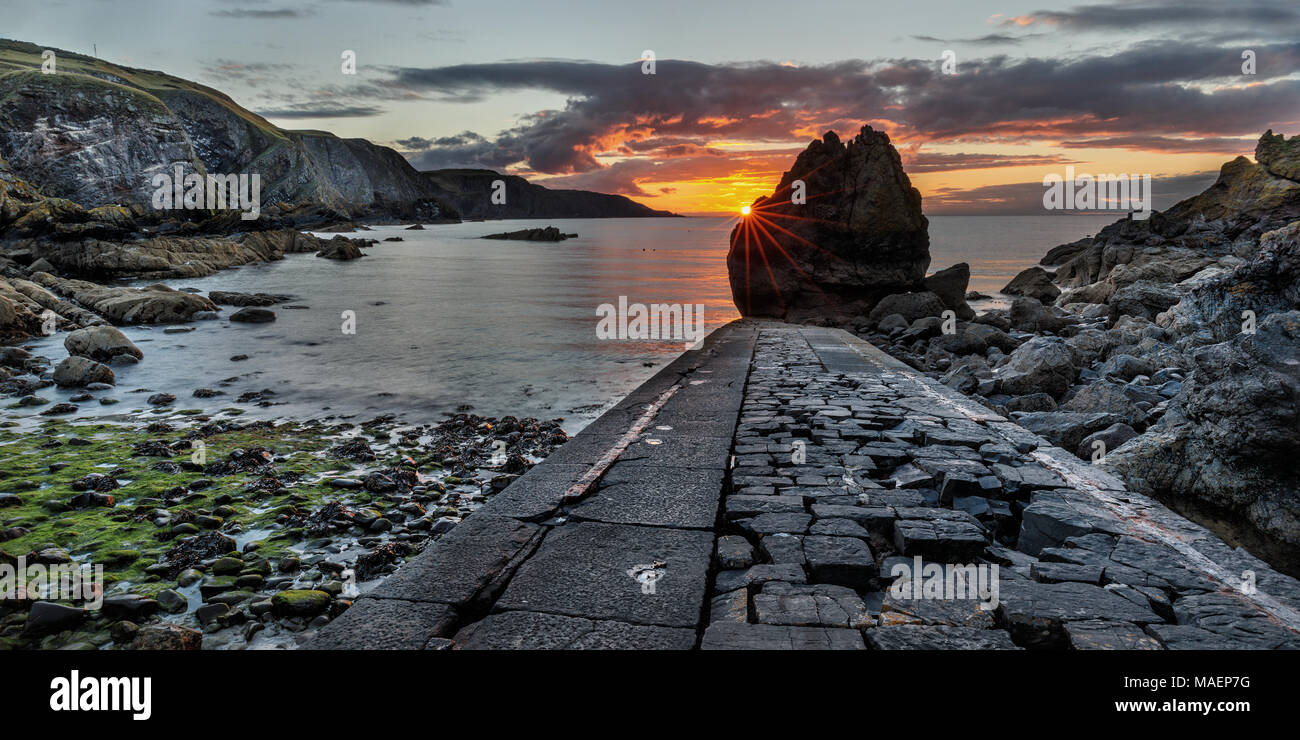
x=734, y=552
x=590, y=570
x=732, y=606
x=947, y=539
x=651, y=496
x=1062, y=572
x=744, y=507
x=1097, y=634
x=819, y=605
x=873, y=518
x=707, y=453
x=776, y=523
x=839, y=528
x=730, y=580
x=539, y=493
x=731, y=636
x=1036, y=613
x=1187, y=637
x=781, y=549
x=534, y=631
x=463, y=563
x=385, y=624
x=844, y=561
x=915, y=637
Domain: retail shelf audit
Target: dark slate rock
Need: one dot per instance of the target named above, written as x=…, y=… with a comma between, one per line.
x=818, y=605
x=845, y=561
x=1098, y=634
x=588, y=569
x=534, y=631
x=731, y=636
x=916, y=637
x=1036, y=613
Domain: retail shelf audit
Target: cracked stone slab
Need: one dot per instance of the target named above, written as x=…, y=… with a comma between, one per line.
x=386, y=624
x=1036, y=613
x=733, y=636
x=819, y=605
x=463, y=564
x=916, y=637
x=641, y=575
x=534, y=631
x=538, y=493
x=662, y=497
x=1097, y=634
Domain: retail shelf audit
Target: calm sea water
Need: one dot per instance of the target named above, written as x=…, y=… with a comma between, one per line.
x=445, y=320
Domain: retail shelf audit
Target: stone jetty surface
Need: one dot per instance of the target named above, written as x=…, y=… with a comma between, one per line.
x=758, y=492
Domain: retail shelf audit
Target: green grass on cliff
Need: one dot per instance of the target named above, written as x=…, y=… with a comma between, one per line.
x=24, y=56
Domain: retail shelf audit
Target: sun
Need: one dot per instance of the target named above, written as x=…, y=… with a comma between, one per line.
x=744, y=210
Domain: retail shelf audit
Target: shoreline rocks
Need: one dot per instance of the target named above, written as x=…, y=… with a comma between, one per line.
x=1167, y=351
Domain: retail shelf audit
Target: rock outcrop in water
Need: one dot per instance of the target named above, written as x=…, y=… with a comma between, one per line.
x=859, y=237
x=470, y=192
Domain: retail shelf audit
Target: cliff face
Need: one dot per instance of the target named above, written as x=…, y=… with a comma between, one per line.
x=470, y=192
x=96, y=133
x=858, y=237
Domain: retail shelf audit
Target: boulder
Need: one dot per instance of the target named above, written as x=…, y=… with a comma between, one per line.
x=1065, y=429
x=101, y=343
x=1144, y=298
x=253, y=316
x=1028, y=315
x=1110, y=438
x=79, y=371
x=1034, y=282
x=1105, y=397
x=911, y=306
x=229, y=298
x=340, y=248
x=1041, y=365
x=859, y=236
x=950, y=285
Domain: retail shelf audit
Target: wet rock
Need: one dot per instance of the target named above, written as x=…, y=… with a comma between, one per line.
x=253, y=316
x=950, y=285
x=1034, y=282
x=230, y=298
x=911, y=306
x=101, y=343
x=167, y=637
x=300, y=603
x=48, y=617
x=341, y=248
x=79, y=371
x=1041, y=365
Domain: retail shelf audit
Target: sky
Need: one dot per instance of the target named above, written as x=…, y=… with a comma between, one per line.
x=982, y=99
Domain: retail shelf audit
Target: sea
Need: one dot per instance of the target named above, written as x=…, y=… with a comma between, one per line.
x=444, y=321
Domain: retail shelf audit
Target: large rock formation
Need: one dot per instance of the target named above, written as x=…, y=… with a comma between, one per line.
x=859, y=236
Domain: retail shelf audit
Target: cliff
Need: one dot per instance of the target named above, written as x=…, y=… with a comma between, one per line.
x=96, y=133
x=470, y=192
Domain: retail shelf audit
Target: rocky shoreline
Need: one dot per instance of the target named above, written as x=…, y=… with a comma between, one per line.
x=1166, y=351
x=226, y=535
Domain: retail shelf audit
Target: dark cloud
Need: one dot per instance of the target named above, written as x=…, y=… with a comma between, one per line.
x=931, y=162
x=989, y=39
x=1026, y=198
x=1158, y=90
x=307, y=110
x=1266, y=19
x=259, y=14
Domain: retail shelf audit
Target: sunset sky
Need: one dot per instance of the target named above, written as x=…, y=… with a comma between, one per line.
x=555, y=91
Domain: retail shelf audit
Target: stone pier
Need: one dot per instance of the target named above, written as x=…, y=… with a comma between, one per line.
x=769, y=490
